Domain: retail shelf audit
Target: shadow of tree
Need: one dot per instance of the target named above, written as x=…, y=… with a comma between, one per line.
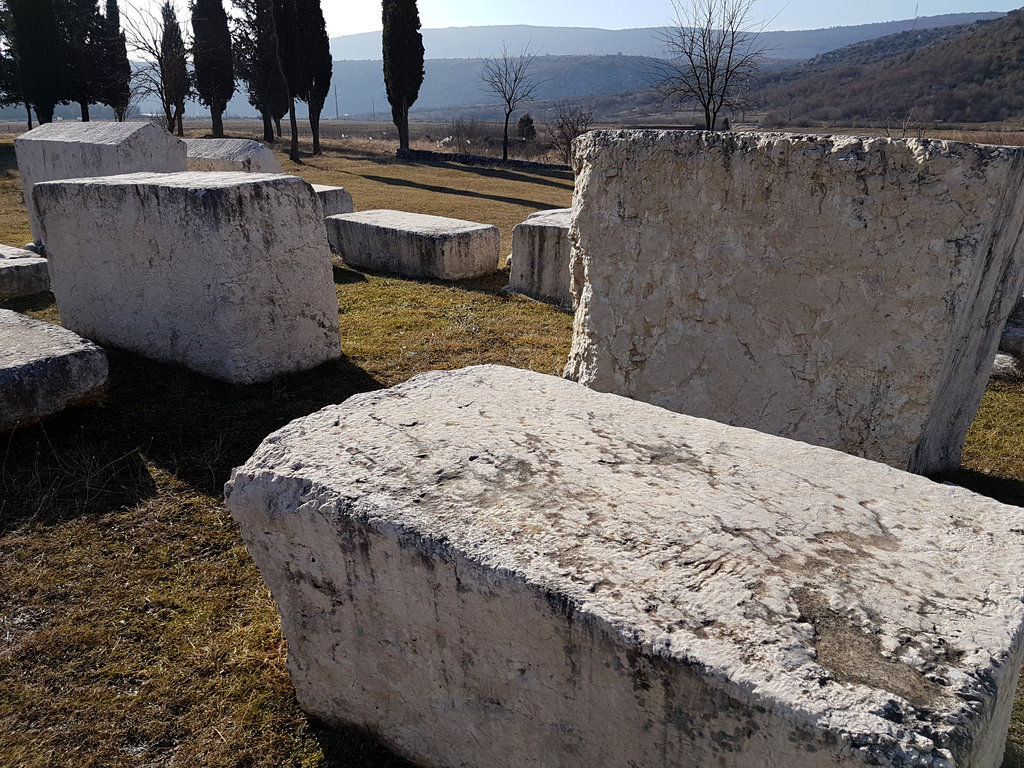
x=453, y=191
x=353, y=748
x=999, y=488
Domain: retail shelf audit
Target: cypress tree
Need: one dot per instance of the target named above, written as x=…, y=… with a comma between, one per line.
x=81, y=28
x=403, y=61
x=115, y=71
x=289, y=47
x=211, y=56
x=317, y=63
x=41, y=54
x=10, y=78
x=258, y=63
x=173, y=68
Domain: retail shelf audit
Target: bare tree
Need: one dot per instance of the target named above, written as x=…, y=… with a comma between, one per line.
x=508, y=77
x=569, y=121
x=713, y=54
x=161, y=72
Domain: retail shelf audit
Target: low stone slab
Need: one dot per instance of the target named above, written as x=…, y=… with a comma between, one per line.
x=230, y=155
x=414, y=244
x=493, y=567
x=225, y=273
x=335, y=200
x=1012, y=339
x=74, y=150
x=539, y=267
x=22, y=273
x=842, y=291
x=44, y=369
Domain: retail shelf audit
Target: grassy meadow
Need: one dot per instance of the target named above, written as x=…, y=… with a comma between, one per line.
x=134, y=628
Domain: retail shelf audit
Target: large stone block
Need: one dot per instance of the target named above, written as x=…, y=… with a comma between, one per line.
x=842, y=291
x=492, y=567
x=230, y=155
x=225, y=273
x=22, y=273
x=44, y=369
x=414, y=244
x=1011, y=341
x=335, y=200
x=76, y=150
x=540, y=257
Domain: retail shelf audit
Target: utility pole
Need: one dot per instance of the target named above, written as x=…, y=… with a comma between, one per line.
x=336, y=115
x=373, y=106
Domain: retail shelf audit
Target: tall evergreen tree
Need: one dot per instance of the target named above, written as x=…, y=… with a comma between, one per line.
x=81, y=28
x=173, y=68
x=115, y=71
x=41, y=55
x=289, y=47
x=317, y=63
x=258, y=63
x=10, y=78
x=403, y=61
x=211, y=57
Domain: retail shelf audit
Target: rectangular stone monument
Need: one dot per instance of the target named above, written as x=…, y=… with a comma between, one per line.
x=540, y=257
x=1011, y=341
x=495, y=568
x=74, y=150
x=225, y=273
x=230, y=155
x=414, y=244
x=22, y=273
x=335, y=200
x=842, y=291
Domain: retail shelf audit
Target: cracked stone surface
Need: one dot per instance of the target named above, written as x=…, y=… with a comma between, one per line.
x=69, y=150
x=841, y=291
x=335, y=200
x=225, y=273
x=414, y=244
x=539, y=267
x=44, y=369
x=493, y=567
x=22, y=273
x=230, y=155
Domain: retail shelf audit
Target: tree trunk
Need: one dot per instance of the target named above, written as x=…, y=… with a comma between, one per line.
x=181, y=129
x=403, y=126
x=28, y=108
x=268, y=128
x=45, y=113
x=217, y=112
x=504, y=142
x=169, y=115
x=277, y=123
x=293, y=152
x=85, y=110
x=314, y=127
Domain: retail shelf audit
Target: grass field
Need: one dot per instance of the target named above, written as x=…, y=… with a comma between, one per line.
x=134, y=628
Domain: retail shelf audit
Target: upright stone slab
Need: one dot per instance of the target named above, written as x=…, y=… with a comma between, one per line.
x=414, y=244
x=76, y=150
x=493, y=567
x=335, y=200
x=225, y=273
x=540, y=257
x=22, y=273
x=230, y=155
x=1011, y=341
x=44, y=369
x=842, y=291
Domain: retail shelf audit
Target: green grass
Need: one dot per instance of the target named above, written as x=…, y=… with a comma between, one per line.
x=134, y=628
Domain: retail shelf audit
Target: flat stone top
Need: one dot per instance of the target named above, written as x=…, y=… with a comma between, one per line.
x=94, y=132
x=324, y=187
x=863, y=599
x=180, y=180
x=417, y=223
x=10, y=252
x=556, y=217
x=24, y=340
x=226, y=148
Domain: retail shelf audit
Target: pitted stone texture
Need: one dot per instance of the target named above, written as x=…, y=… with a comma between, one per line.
x=225, y=273
x=230, y=155
x=539, y=267
x=842, y=291
x=22, y=273
x=335, y=200
x=492, y=567
x=1012, y=339
x=414, y=244
x=44, y=369
x=77, y=150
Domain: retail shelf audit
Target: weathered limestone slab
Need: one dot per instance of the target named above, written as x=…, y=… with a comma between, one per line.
x=230, y=155
x=414, y=244
x=1012, y=339
x=44, y=369
x=76, y=150
x=225, y=273
x=22, y=273
x=540, y=257
x=492, y=567
x=842, y=291
x=335, y=200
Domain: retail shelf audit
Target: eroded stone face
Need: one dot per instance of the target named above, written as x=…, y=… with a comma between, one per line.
x=230, y=155
x=76, y=150
x=225, y=273
x=841, y=291
x=22, y=273
x=335, y=200
x=44, y=369
x=540, y=257
x=492, y=567
x=414, y=244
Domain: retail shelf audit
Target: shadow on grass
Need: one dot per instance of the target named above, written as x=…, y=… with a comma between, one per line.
x=346, y=276
x=546, y=177
x=1013, y=757
x=460, y=192
x=999, y=488
x=352, y=748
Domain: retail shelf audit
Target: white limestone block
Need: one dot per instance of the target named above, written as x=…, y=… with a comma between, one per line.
x=44, y=369
x=493, y=567
x=225, y=273
x=1011, y=341
x=842, y=291
x=335, y=200
x=539, y=267
x=230, y=155
x=414, y=244
x=75, y=150
x=22, y=273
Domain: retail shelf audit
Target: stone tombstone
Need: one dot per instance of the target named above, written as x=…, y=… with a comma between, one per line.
x=225, y=273
x=230, y=155
x=335, y=200
x=539, y=267
x=495, y=568
x=843, y=291
x=22, y=273
x=44, y=369
x=69, y=150
x=1012, y=339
